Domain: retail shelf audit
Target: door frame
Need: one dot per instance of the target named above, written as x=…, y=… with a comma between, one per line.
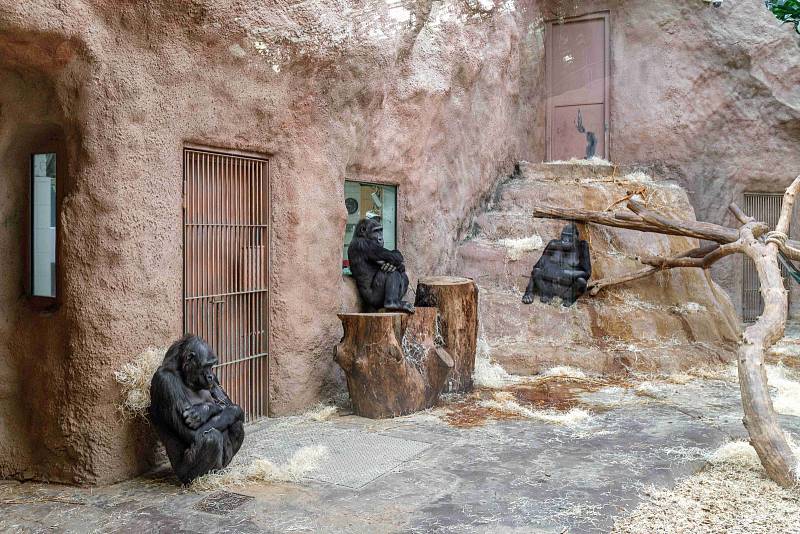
x=267, y=159
x=548, y=56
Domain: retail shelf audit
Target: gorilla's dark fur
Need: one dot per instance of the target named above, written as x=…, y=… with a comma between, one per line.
x=562, y=271
x=200, y=427
x=380, y=274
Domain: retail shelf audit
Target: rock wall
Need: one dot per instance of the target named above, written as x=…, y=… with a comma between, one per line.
x=709, y=97
x=666, y=322
x=434, y=97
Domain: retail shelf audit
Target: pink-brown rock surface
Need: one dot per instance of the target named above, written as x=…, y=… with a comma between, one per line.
x=430, y=96
x=670, y=321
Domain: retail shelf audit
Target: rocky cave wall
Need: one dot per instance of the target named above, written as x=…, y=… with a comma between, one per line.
x=436, y=97
x=707, y=96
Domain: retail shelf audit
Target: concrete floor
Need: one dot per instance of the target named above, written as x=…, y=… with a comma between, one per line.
x=505, y=476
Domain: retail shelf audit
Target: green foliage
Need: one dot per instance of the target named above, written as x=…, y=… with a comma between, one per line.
x=786, y=11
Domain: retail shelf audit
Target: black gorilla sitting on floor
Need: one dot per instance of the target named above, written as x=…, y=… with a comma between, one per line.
x=562, y=271
x=380, y=273
x=200, y=427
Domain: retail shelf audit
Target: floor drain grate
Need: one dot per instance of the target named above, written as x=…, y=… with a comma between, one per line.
x=221, y=502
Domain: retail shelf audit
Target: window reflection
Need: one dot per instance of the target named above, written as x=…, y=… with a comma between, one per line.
x=370, y=201
x=43, y=188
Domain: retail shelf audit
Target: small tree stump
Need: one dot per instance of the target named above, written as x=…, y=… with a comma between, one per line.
x=383, y=379
x=457, y=301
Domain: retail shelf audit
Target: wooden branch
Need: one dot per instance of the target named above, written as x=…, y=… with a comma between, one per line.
x=708, y=231
x=700, y=230
x=596, y=286
x=740, y=215
x=760, y=420
x=703, y=262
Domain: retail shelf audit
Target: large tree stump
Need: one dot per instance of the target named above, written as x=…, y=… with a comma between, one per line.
x=457, y=301
x=391, y=362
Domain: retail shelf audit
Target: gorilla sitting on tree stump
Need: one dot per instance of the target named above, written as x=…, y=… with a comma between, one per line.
x=200, y=427
x=380, y=274
x=562, y=271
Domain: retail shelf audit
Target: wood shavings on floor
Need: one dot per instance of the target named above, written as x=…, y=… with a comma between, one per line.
x=732, y=494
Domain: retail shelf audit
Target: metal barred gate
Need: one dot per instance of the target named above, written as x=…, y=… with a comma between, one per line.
x=226, y=268
x=763, y=207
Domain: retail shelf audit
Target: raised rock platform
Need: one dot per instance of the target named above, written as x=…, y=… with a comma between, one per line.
x=670, y=321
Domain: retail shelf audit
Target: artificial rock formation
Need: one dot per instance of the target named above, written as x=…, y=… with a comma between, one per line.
x=669, y=321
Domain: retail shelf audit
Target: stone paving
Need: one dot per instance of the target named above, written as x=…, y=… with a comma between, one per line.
x=508, y=476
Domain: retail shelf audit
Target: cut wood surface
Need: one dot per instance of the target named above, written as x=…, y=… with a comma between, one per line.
x=457, y=301
x=391, y=362
x=760, y=420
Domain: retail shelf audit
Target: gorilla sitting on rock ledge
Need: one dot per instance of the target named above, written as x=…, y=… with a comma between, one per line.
x=380, y=274
x=562, y=271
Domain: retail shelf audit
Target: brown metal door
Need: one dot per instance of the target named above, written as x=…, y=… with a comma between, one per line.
x=226, y=274
x=577, y=53
x=763, y=207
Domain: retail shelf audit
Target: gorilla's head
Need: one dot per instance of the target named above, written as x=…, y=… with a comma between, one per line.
x=570, y=234
x=197, y=360
x=371, y=230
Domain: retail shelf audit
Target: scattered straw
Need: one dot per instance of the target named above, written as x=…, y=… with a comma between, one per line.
x=648, y=389
x=687, y=308
x=302, y=462
x=516, y=248
x=575, y=161
x=638, y=176
x=504, y=401
x=135, y=377
x=732, y=494
x=565, y=371
x=786, y=399
x=488, y=374
x=320, y=412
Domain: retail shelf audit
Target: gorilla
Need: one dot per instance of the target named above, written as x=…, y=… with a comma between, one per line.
x=562, y=271
x=380, y=273
x=200, y=427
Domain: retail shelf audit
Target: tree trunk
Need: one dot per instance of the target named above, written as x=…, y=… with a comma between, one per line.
x=457, y=301
x=383, y=379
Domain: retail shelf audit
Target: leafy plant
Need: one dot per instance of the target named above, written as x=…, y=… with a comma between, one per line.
x=786, y=11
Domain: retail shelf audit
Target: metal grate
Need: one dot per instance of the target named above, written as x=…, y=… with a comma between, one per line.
x=222, y=502
x=763, y=207
x=226, y=259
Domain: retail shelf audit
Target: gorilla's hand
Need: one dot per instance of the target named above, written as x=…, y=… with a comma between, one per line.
x=193, y=417
x=527, y=298
x=387, y=267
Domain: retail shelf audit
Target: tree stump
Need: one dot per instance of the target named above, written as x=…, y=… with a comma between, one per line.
x=391, y=362
x=457, y=301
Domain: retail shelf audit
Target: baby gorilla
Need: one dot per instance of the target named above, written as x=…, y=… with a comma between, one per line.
x=380, y=273
x=562, y=271
x=200, y=427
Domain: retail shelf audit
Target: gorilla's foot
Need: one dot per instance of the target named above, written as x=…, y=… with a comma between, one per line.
x=527, y=298
x=545, y=299
x=401, y=306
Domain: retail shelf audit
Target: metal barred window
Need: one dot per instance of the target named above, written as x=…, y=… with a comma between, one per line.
x=226, y=268
x=763, y=207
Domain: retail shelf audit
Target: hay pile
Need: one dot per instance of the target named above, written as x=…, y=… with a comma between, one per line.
x=575, y=161
x=505, y=402
x=135, y=377
x=732, y=494
x=488, y=374
x=516, y=248
x=786, y=396
x=260, y=470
